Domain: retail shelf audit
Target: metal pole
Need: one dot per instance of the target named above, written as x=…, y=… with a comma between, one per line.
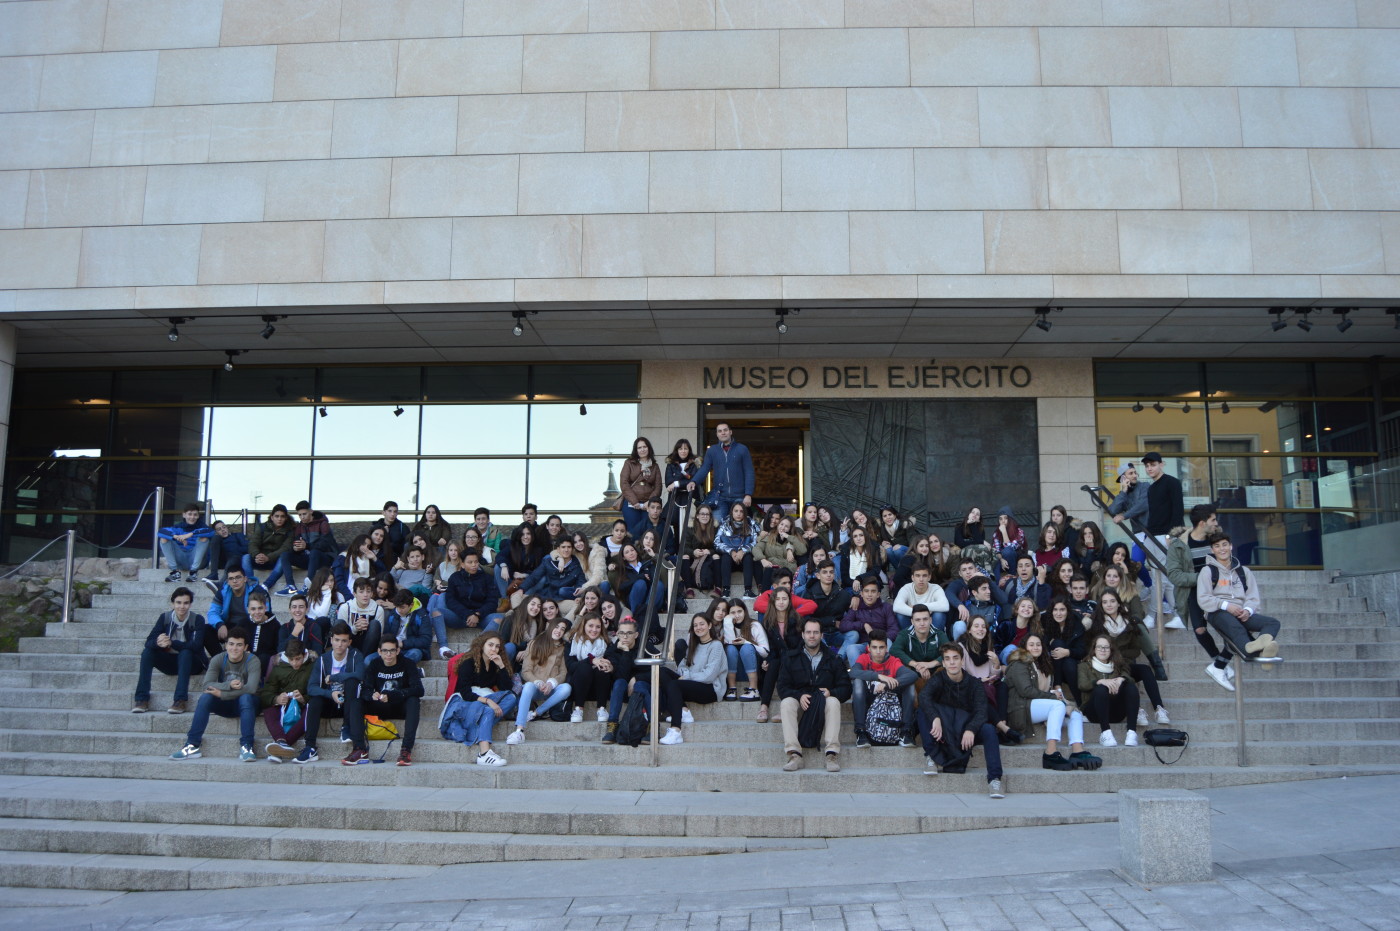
x=1239, y=710
x=68, y=575
x=654, y=724
x=155, y=527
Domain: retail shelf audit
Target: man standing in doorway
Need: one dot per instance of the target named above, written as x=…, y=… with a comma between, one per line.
x=732, y=468
x=1165, y=511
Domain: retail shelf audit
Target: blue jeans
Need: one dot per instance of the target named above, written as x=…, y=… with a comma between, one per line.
x=959, y=628
x=852, y=651
x=636, y=520
x=862, y=691
x=480, y=717
x=838, y=641
x=895, y=554
x=270, y=581
x=528, y=695
x=748, y=657
x=177, y=557
x=310, y=560
x=244, y=708
x=179, y=664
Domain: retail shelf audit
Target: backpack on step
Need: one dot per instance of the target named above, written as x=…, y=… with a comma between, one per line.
x=635, y=727
x=884, y=719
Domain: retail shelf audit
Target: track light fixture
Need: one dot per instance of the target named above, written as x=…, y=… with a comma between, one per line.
x=782, y=313
x=1158, y=407
x=583, y=410
x=1267, y=406
x=268, y=328
x=1395, y=316
x=398, y=411
x=1042, y=318
x=228, y=365
x=1278, y=313
x=1346, y=322
x=1137, y=408
x=1304, y=323
x=520, y=315
x=1186, y=408
x=174, y=334
x=321, y=411
x=1225, y=407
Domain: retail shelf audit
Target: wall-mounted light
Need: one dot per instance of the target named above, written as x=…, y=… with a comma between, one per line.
x=1186, y=408
x=268, y=328
x=228, y=365
x=1158, y=407
x=1225, y=407
x=1278, y=323
x=1346, y=323
x=321, y=411
x=1137, y=408
x=520, y=315
x=174, y=333
x=583, y=410
x=1042, y=319
x=398, y=411
x=1304, y=323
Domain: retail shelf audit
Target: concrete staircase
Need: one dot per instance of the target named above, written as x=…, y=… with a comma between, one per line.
x=89, y=800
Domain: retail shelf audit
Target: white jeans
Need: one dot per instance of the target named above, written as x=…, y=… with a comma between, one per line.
x=1051, y=712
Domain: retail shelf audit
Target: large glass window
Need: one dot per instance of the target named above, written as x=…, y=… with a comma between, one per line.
x=474, y=430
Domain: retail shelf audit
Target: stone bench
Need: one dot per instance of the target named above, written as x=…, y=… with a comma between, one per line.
x=1165, y=835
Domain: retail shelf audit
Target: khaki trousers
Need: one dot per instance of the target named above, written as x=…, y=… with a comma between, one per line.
x=831, y=727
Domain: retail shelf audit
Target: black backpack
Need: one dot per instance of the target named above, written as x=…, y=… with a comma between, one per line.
x=635, y=727
x=884, y=719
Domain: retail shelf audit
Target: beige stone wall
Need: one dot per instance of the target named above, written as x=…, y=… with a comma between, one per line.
x=188, y=153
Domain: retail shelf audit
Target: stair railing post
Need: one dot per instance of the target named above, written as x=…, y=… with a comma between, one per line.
x=155, y=527
x=654, y=722
x=68, y=546
x=1242, y=752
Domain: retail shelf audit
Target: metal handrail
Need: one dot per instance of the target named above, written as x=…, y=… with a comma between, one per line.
x=1156, y=564
x=676, y=515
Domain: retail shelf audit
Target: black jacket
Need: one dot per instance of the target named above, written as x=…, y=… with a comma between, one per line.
x=796, y=677
x=624, y=662
x=1165, y=505
x=967, y=695
x=193, y=630
x=830, y=608
x=407, y=680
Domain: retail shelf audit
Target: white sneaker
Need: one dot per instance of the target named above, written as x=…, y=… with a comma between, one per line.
x=930, y=767
x=1150, y=621
x=489, y=758
x=1220, y=676
x=576, y=717
x=1175, y=623
x=517, y=737
x=687, y=717
x=672, y=737
x=1131, y=739
x=1162, y=716
x=1142, y=719
x=603, y=715
x=1230, y=670
x=1106, y=739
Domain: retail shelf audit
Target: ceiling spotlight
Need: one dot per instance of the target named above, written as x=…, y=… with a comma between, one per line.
x=1158, y=407
x=1304, y=323
x=174, y=334
x=1225, y=408
x=1137, y=408
x=1042, y=319
x=520, y=315
x=583, y=410
x=1278, y=313
x=1346, y=322
x=1186, y=408
x=228, y=365
x=782, y=313
x=398, y=411
x=268, y=328
x=321, y=411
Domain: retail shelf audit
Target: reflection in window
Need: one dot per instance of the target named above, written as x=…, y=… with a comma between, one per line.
x=560, y=485
x=371, y=430
x=346, y=484
x=474, y=429
x=460, y=486
x=258, y=484
x=260, y=431
x=560, y=428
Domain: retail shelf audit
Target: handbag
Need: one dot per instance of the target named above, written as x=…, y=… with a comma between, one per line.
x=291, y=713
x=1167, y=737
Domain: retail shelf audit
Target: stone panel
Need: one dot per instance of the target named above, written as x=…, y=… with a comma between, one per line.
x=272, y=131
x=845, y=58
x=152, y=24
x=86, y=197
x=1166, y=13
x=1038, y=12
x=19, y=83
x=1390, y=235
x=336, y=69
x=1233, y=57
x=329, y=189
x=1095, y=57
x=40, y=258
x=598, y=62
x=1174, y=116
x=521, y=123
x=1180, y=242
x=778, y=14
x=1058, y=242
x=280, y=22
x=139, y=255
x=974, y=57
x=1297, y=117
x=223, y=193
x=570, y=293
x=1293, y=12
x=737, y=291
x=981, y=178
x=1105, y=179
x=215, y=75
x=107, y=79
x=385, y=250
x=715, y=181
x=455, y=186
x=150, y=136
x=782, y=244
x=1377, y=13
x=407, y=126
x=1384, y=108
x=650, y=120
x=51, y=28
x=234, y=253
x=916, y=242
x=1327, y=243
x=911, y=116
x=399, y=19
x=477, y=65
x=14, y=191
x=631, y=246
x=1048, y=116
x=848, y=179
x=1244, y=179
x=1253, y=287
x=734, y=58
x=781, y=119
x=1355, y=179
x=601, y=182
x=512, y=18
x=864, y=13
x=517, y=247
x=1349, y=57
x=650, y=15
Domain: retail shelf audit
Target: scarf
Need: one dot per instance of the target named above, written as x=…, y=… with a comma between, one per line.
x=1114, y=626
x=1102, y=667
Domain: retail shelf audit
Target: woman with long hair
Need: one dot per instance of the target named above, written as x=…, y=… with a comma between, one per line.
x=1051, y=547
x=544, y=674
x=782, y=628
x=529, y=546
x=779, y=548
x=589, y=669
x=980, y=661
x=894, y=534
x=700, y=566
x=681, y=466
x=522, y=625
x=484, y=678
x=969, y=531
x=1109, y=693
x=745, y=645
x=1023, y=621
x=434, y=528
x=1060, y=576
x=736, y=538
x=697, y=679
x=918, y=557
x=861, y=556
x=810, y=526
x=808, y=570
x=1008, y=540
x=942, y=560
x=1087, y=547
x=1035, y=697
x=1063, y=633
x=831, y=530
x=322, y=596
x=472, y=542
x=1109, y=620
x=1113, y=578
x=451, y=562
x=640, y=481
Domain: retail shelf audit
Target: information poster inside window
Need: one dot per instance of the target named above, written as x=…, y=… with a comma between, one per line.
x=1260, y=493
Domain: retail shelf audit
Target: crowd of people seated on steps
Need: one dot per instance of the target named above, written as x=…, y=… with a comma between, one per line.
x=939, y=644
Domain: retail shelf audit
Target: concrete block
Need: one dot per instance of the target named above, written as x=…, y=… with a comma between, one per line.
x=1166, y=13
x=1349, y=57
x=108, y=79
x=911, y=116
x=1390, y=235
x=1253, y=286
x=330, y=189
x=1293, y=12
x=272, y=131
x=974, y=57
x=473, y=65
x=1329, y=243
x=383, y=250
x=597, y=62
x=1384, y=108
x=1038, y=13
x=53, y=28
x=454, y=186
x=599, y=182
x=848, y=179
x=577, y=294
x=715, y=181
x=19, y=83
x=14, y=192
x=517, y=247
x=1148, y=288
x=1045, y=116
x=981, y=178
x=648, y=16
x=280, y=22
x=941, y=13
x=736, y=290
x=1177, y=242
x=1059, y=242
x=1355, y=179
x=1299, y=117
x=1233, y=57
x=126, y=255
x=191, y=297
x=406, y=126
x=782, y=244
x=1104, y=56
x=779, y=14
x=916, y=242
x=512, y=18
x=399, y=19
x=247, y=253
x=84, y=197
x=40, y=258
x=1373, y=14
x=221, y=193
x=154, y=24
x=1165, y=835
x=650, y=120
x=215, y=75
x=1104, y=179
x=149, y=136
x=500, y=291
x=1245, y=179
x=323, y=70
x=521, y=123
x=641, y=246
x=781, y=119
x=844, y=58
x=302, y=294
x=714, y=59
x=1174, y=116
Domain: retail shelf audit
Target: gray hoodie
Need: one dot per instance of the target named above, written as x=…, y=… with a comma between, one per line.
x=1234, y=584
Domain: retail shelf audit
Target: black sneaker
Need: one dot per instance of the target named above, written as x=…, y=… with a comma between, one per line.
x=174, y=576
x=610, y=733
x=862, y=740
x=1158, y=669
x=1056, y=761
x=1085, y=760
x=215, y=588
x=1011, y=738
x=906, y=740
x=192, y=577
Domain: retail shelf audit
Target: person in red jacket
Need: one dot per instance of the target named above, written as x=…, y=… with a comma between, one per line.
x=782, y=578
